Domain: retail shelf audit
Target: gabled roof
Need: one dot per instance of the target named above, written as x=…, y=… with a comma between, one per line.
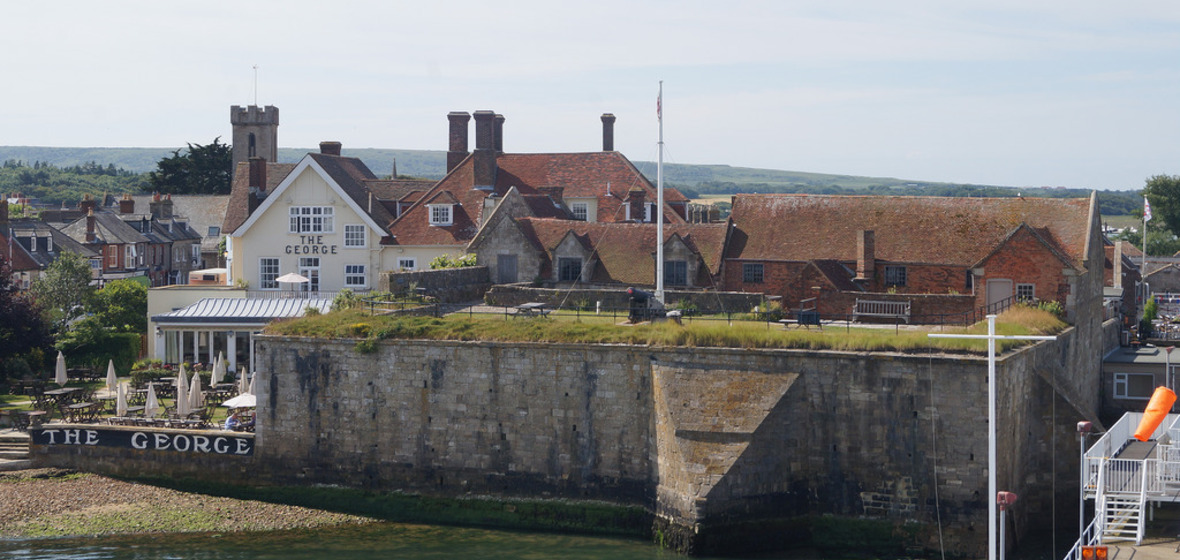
x=1042, y=236
x=625, y=251
x=24, y=229
x=907, y=229
x=605, y=176
x=16, y=255
x=198, y=211
x=238, y=207
x=108, y=229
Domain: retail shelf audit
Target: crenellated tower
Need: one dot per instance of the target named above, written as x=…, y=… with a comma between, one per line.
x=256, y=132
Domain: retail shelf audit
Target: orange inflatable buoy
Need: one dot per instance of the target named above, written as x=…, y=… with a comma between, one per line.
x=1157, y=409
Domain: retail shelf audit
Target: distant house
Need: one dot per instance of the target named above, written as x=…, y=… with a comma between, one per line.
x=29, y=246
x=204, y=214
x=594, y=187
x=942, y=256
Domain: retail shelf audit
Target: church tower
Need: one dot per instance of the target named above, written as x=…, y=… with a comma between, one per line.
x=256, y=133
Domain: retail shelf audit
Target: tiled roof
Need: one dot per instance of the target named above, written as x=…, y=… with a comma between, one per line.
x=198, y=211
x=352, y=174
x=581, y=175
x=625, y=250
x=16, y=255
x=23, y=229
x=108, y=228
x=939, y=230
x=238, y=207
x=397, y=189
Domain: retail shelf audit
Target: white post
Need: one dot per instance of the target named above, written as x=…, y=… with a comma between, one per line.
x=231, y=351
x=658, y=215
x=991, y=418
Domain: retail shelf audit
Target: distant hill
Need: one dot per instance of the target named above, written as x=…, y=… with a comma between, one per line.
x=693, y=180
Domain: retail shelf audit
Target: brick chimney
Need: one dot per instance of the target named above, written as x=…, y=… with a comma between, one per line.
x=485, y=150
x=865, y=254
x=87, y=204
x=161, y=207
x=4, y=216
x=330, y=148
x=635, y=198
x=498, y=132
x=1118, y=265
x=457, y=149
x=91, y=236
x=126, y=204
x=257, y=190
x=608, y=132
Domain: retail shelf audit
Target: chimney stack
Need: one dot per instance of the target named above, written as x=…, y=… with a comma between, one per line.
x=498, y=131
x=608, y=132
x=330, y=148
x=636, y=198
x=865, y=254
x=257, y=190
x=91, y=237
x=127, y=204
x=1118, y=265
x=485, y=150
x=87, y=204
x=457, y=149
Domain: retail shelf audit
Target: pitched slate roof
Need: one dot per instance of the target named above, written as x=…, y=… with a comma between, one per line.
x=198, y=211
x=108, y=228
x=40, y=256
x=580, y=175
x=238, y=207
x=625, y=250
x=907, y=229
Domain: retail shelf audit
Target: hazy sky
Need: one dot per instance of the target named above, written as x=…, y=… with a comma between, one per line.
x=1073, y=93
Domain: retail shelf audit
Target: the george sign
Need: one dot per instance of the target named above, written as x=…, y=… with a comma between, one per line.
x=153, y=440
x=311, y=245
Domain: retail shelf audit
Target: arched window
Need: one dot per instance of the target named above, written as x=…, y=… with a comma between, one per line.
x=251, y=151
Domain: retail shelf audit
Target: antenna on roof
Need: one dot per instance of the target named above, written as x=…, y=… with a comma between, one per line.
x=255, y=84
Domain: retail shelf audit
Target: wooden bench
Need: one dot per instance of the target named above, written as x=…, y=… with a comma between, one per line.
x=884, y=309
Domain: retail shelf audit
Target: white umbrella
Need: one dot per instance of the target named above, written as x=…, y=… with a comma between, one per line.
x=112, y=381
x=243, y=384
x=59, y=375
x=252, y=379
x=121, y=400
x=182, y=408
x=152, y=408
x=195, y=397
x=292, y=278
x=181, y=378
x=218, y=369
x=243, y=400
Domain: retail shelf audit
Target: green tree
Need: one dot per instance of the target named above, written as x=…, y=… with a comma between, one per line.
x=1163, y=192
x=122, y=306
x=63, y=291
x=25, y=340
x=202, y=169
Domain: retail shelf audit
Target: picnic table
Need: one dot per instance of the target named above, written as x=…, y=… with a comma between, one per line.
x=532, y=309
x=83, y=412
x=63, y=395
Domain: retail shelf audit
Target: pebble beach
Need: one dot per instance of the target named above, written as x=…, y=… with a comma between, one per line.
x=40, y=503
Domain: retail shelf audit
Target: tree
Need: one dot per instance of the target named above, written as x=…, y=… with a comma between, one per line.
x=122, y=306
x=201, y=169
x=1163, y=192
x=63, y=291
x=24, y=336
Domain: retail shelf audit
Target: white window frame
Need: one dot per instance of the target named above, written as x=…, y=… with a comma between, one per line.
x=412, y=263
x=1031, y=292
x=311, y=219
x=351, y=240
x=95, y=264
x=129, y=255
x=354, y=271
x=262, y=274
x=580, y=210
x=649, y=210
x=441, y=214
x=1122, y=383
x=113, y=258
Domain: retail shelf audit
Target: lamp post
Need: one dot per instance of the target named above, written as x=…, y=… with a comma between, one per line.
x=1084, y=428
x=991, y=338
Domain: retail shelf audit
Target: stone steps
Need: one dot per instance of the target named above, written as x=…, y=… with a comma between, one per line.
x=14, y=445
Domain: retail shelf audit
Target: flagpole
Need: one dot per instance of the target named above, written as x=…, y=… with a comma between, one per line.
x=1143, y=261
x=658, y=214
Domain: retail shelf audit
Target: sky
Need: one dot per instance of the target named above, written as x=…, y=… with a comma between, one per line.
x=1079, y=93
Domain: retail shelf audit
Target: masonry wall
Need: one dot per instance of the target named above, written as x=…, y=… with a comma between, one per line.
x=449, y=285
x=707, y=438
x=615, y=297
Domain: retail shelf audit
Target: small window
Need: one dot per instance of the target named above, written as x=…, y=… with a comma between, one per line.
x=214, y=231
x=354, y=235
x=649, y=211
x=752, y=273
x=354, y=276
x=95, y=264
x=970, y=283
x=440, y=214
x=312, y=219
x=1026, y=292
x=895, y=275
x=569, y=269
x=268, y=273
x=129, y=256
x=1134, y=385
x=580, y=210
x=113, y=257
x=676, y=273
x=407, y=263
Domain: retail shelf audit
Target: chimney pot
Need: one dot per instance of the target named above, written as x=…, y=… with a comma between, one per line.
x=127, y=204
x=330, y=148
x=608, y=132
x=498, y=131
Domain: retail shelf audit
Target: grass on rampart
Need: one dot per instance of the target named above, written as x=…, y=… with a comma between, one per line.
x=356, y=324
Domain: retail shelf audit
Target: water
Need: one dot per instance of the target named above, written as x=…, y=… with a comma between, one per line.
x=372, y=541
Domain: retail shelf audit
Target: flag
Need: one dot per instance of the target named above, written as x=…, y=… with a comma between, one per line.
x=1146, y=210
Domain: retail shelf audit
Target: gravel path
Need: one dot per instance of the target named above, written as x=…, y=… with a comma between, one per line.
x=54, y=503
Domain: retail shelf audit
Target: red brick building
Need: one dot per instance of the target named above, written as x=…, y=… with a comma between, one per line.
x=943, y=256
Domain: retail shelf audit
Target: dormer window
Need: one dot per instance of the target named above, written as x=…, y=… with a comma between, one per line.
x=440, y=214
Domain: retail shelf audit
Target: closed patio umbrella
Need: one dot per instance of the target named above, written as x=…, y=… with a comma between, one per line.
x=182, y=407
x=181, y=378
x=152, y=407
x=195, y=397
x=59, y=373
x=112, y=381
x=121, y=400
x=243, y=383
x=218, y=369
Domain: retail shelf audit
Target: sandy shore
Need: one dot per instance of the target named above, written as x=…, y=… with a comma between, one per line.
x=54, y=503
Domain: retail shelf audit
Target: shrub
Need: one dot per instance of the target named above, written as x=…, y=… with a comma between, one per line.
x=346, y=299
x=311, y=311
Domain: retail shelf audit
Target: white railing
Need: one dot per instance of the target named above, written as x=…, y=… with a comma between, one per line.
x=1089, y=537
